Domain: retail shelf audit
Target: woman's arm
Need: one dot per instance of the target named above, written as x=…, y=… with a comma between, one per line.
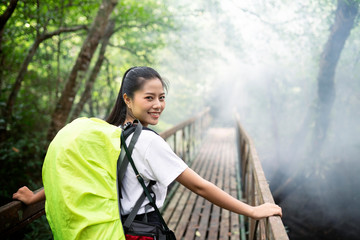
x=27, y=196
x=209, y=191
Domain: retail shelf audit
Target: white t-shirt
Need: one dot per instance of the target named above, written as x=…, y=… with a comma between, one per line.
x=154, y=160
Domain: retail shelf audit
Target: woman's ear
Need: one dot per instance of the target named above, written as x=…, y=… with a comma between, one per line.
x=127, y=100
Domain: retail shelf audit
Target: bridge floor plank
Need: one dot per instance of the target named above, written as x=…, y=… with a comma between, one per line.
x=192, y=217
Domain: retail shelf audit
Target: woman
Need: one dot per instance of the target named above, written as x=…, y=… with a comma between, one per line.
x=142, y=97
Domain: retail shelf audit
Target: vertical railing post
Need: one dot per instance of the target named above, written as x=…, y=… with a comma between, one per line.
x=183, y=144
x=193, y=139
x=188, y=142
x=175, y=146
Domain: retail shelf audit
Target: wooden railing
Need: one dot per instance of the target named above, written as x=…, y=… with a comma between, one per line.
x=15, y=215
x=255, y=189
x=184, y=139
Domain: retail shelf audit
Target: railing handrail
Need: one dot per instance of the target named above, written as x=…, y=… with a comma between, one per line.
x=169, y=132
x=15, y=215
x=250, y=167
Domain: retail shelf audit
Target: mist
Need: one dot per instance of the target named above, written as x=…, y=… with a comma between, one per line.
x=261, y=59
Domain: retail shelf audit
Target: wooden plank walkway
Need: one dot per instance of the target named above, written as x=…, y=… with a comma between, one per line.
x=191, y=216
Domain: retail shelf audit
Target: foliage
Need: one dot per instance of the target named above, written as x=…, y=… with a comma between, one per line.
x=39, y=229
x=139, y=31
x=260, y=58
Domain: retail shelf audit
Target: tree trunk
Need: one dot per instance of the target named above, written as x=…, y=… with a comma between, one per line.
x=23, y=69
x=6, y=15
x=344, y=20
x=58, y=56
x=3, y=20
x=63, y=106
x=95, y=71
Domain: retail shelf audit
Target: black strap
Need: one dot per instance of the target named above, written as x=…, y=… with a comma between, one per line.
x=131, y=217
x=128, y=130
x=125, y=160
x=140, y=179
x=122, y=161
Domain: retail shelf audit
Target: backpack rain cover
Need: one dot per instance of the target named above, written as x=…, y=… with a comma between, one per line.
x=79, y=176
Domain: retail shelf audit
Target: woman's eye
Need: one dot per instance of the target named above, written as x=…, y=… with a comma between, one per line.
x=148, y=97
x=162, y=98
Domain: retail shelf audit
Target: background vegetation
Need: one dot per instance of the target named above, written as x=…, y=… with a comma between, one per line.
x=290, y=68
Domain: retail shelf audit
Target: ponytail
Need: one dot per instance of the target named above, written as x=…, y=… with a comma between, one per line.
x=118, y=113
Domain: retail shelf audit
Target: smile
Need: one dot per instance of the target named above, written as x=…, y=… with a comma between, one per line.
x=155, y=114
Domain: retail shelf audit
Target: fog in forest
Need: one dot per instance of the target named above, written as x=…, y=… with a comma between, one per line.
x=262, y=61
x=265, y=60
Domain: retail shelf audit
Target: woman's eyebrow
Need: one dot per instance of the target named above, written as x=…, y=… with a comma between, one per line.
x=151, y=93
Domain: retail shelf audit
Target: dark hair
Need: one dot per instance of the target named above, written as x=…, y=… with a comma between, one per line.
x=133, y=80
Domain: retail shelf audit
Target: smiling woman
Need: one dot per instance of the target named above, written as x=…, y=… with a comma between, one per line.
x=147, y=103
x=141, y=96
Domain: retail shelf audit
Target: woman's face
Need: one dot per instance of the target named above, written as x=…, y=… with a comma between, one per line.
x=147, y=103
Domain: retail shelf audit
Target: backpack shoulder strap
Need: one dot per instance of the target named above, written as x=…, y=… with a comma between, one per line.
x=142, y=183
x=133, y=213
x=123, y=161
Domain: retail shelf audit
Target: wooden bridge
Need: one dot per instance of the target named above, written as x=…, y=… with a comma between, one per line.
x=224, y=156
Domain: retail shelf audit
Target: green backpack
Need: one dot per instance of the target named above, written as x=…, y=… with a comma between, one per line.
x=80, y=181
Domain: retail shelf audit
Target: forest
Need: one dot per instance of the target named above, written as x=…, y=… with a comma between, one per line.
x=291, y=69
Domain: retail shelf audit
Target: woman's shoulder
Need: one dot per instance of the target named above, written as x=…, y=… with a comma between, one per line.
x=146, y=129
x=150, y=144
x=151, y=135
x=150, y=141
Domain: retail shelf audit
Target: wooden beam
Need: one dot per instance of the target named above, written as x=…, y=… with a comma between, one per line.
x=15, y=215
x=258, y=188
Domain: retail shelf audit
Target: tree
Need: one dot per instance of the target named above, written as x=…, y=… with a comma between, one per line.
x=63, y=106
x=23, y=69
x=345, y=15
x=133, y=30
x=95, y=71
x=5, y=17
x=3, y=20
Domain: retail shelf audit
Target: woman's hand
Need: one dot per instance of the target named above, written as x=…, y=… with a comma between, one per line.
x=206, y=189
x=25, y=195
x=266, y=210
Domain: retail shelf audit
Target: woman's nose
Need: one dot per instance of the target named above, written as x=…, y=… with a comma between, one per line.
x=157, y=104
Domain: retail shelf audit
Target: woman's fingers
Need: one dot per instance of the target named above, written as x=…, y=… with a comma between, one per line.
x=266, y=210
x=23, y=194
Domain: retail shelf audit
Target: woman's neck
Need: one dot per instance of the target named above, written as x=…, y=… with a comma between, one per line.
x=129, y=117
